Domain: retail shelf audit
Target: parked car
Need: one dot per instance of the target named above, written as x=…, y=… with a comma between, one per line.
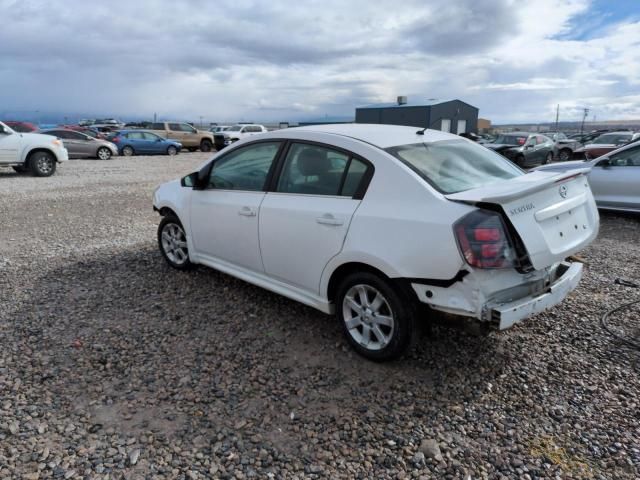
x=190, y=137
x=80, y=145
x=604, y=144
x=235, y=133
x=563, y=146
x=524, y=149
x=85, y=130
x=371, y=221
x=219, y=128
x=33, y=152
x=141, y=142
x=614, y=177
x=21, y=127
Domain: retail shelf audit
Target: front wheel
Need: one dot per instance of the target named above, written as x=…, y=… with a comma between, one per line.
x=377, y=320
x=103, y=153
x=206, y=146
x=171, y=150
x=564, y=155
x=172, y=241
x=42, y=164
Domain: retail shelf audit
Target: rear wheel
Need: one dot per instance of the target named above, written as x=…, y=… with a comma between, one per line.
x=206, y=146
x=548, y=158
x=127, y=151
x=564, y=155
x=42, y=164
x=377, y=320
x=171, y=150
x=103, y=153
x=172, y=241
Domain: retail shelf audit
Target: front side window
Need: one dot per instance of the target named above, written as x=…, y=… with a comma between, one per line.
x=135, y=136
x=150, y=136
x=540, y=139
x=245, y=168
x=626, y=158
x=315, y=170
x=453, y=166
x=235, y=128
x=187, y=128
x=175, y=127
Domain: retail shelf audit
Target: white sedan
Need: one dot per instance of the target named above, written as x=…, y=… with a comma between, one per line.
x=370, y=221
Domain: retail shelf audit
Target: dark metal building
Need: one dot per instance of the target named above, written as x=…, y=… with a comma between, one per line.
x=453, y=116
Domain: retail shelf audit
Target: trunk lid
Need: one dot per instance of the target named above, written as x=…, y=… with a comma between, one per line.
x=553, y=212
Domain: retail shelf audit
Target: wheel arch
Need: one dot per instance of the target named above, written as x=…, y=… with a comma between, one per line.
x=27, y=154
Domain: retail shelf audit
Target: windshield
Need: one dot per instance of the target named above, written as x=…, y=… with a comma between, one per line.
x=453, y=166
x=235, y=128
x=613, y=138
x=510, y=139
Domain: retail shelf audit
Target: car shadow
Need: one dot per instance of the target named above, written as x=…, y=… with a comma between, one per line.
x=143, y=346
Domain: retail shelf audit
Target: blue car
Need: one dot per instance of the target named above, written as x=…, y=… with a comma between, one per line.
x=141, y=142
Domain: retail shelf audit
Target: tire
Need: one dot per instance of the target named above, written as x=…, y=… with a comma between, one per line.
x=20, y=168
x=172, y=242
x=548, y=158
x=564, y=155
x=128, y=151
x=206, y=146
x=42, y=164
x=103, y=153
x=373, y=298
x=171, y=150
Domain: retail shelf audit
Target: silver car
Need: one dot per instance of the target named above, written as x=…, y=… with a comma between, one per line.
x=80, y=145
x=614, y=177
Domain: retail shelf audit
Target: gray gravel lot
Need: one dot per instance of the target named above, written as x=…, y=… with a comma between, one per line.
x=114, y=366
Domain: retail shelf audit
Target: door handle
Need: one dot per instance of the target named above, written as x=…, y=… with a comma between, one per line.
x=328, y=219
x=247, y=212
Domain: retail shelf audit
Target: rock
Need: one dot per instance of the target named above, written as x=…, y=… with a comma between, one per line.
x=431, y=449
x=134, y=455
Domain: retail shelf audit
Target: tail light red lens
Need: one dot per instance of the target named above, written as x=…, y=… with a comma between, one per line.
x=484, y=240
x=115, y=139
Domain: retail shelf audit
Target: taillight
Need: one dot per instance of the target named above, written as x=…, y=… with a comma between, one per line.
x=484, y=241
x=115, y=139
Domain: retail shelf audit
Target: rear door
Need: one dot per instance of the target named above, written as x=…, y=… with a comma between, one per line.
x=175, y=132
x=85, y=145
x=554, y=214
x=303, y=223
x=616, y=183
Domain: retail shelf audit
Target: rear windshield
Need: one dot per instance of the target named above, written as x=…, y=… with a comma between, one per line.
x=453, y=166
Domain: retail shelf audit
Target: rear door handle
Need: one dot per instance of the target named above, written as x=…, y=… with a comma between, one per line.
x=247, y=212
x=328, y=219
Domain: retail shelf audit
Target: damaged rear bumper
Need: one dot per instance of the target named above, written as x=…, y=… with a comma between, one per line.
x=505, y=315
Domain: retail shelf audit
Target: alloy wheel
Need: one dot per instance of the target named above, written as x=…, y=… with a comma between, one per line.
x=174, y=243
x=44, y=164
x=104, y=153
x=368, y=317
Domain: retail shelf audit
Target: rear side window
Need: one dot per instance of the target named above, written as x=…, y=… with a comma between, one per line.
x=157, y=126
x=452, y=166
x=315, y=170
x=135, y=136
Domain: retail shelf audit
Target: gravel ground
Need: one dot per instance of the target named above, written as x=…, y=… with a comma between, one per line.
x=114, y=366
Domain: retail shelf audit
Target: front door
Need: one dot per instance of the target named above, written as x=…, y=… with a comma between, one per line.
x=304, y=223
x=616, y=183
x=224, y=216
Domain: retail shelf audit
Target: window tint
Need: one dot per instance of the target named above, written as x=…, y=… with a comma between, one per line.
x=313, y=170
x=627, y=158
x=455, y=165
x=157, y=126
x=352, y=181
x=150, y=136
x=175, y=127
x=245, y=168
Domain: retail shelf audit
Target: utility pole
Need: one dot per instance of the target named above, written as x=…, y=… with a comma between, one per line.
x=557, y=116
x=200, y=121
x=155, y=115
x=584, y=117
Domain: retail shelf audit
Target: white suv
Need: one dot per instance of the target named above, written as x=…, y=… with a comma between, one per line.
x=370, y=221
x=235, y=133
x=32, y=152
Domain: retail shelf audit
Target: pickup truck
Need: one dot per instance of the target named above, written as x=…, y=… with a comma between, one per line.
x=235, y=133
x=191, y=138
x=33, y=152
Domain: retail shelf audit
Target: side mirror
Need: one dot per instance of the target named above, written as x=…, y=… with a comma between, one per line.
x=190, y=180
x=604, y=163
x=159, y=139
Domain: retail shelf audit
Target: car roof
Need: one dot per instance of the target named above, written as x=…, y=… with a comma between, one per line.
x=381, y=136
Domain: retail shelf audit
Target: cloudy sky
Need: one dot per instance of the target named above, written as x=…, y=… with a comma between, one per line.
x=285, y=60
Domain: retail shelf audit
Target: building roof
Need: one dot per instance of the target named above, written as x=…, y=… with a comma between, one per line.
x=426, y=103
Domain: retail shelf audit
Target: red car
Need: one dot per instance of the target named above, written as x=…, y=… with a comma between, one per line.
x=604, y=144
x=21, y=127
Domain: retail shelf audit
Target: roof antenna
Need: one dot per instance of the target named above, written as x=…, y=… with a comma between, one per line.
x=421, y=132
